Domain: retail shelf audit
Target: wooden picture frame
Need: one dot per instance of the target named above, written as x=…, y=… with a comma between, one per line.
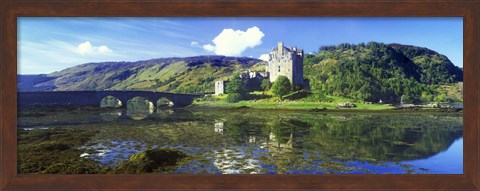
x=10, y=10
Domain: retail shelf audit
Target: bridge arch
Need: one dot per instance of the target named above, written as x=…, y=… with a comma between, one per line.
x=140, y=101
x=139, y=107
x=110, y=101
x=164, y=102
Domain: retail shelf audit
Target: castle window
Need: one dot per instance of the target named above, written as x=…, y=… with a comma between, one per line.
x=278, y=68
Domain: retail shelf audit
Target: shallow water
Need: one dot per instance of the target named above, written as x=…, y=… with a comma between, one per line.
x=251, y=141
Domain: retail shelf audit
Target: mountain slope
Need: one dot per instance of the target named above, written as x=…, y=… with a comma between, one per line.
x=435, y=68
x=189, y=74
x=375, y=71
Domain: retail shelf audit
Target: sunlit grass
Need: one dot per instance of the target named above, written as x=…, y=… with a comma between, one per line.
x=272, y=102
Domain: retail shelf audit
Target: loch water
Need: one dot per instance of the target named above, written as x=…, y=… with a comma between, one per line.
x=251, y=141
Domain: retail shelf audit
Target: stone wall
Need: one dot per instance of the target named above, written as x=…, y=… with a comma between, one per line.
x=220, y=87
x=286, y=62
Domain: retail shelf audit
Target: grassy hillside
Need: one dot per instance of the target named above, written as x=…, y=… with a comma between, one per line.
x=188, y=75
x=35, y=82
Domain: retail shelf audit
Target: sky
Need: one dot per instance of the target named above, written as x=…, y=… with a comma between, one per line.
x=48, y=44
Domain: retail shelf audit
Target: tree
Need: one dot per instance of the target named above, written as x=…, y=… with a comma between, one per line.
x=236, y=85
x=281, y=86
x=441, y=98
x=265, y=84
x=426, y=97
x=235, y=89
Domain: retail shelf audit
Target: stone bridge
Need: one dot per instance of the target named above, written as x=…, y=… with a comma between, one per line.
x=93, y=98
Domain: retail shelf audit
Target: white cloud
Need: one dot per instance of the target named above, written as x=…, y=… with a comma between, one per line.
x=104, y=49
x=209, y=47
x=87, y=48
x=233, y=43
x=264, y=57
x=194, y=43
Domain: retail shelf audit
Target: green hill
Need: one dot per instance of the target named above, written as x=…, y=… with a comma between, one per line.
x=188, y=75
x=375, y=71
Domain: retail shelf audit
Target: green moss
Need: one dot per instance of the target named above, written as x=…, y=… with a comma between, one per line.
x=151, y=161
x=51, y=151
x=335, y=167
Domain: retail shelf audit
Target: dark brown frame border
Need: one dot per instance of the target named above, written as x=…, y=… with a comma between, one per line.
x=10, y=10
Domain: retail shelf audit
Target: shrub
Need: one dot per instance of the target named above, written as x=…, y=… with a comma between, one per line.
x=281, y=86
x=234, y=97
x=266, y=84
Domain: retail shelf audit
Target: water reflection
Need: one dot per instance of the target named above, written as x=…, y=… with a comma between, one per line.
x=164, y=113
x=139, y=108
x=262, y=142
x=236, y=161
x=111, y=115
x=219, y=126
x=292, y=142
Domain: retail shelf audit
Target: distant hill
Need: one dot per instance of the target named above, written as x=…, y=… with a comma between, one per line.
x=370, y=72
x=188, y=75
x=375, y=71
x=36, y=82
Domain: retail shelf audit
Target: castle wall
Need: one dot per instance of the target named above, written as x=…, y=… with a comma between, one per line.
x=280, y=67
x=285, y=62
x=220, y=87
x=297, y=69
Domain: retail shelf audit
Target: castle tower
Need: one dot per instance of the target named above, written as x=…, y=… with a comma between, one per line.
x=287, y=62
x=280, y=48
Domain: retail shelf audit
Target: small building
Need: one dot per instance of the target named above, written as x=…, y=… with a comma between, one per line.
x=220, y=87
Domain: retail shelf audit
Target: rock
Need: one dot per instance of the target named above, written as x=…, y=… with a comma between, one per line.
x=318, y=110
x=346, y=105
x=151, y=160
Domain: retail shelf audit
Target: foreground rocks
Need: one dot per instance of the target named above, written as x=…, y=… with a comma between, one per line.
x=151, y=161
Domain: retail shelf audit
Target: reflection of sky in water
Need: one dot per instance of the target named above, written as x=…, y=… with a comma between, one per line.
x=446, y=162
x=247, y=160
x=113, y=152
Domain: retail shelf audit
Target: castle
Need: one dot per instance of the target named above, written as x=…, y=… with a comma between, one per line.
x=287, y=62
x=282, y=61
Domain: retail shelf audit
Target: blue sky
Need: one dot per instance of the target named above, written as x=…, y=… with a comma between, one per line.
x=47, y=44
